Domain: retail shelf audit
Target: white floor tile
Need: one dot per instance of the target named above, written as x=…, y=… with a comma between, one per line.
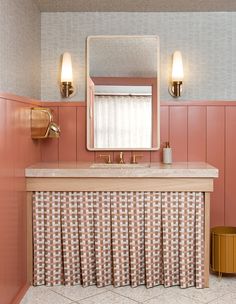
x=171, y=297
x=107, y=298
x=217, y=289
x=140, y=293
x=78, y=292
x=43, y=295
x=203, y=295
x=227, y=282
x=226, y=299
x=220, y=292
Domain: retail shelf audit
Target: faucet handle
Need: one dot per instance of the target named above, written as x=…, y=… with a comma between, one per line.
x=107, y=157
x=134, y=158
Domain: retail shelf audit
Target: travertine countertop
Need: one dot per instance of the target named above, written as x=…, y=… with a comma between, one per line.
x=149, y=170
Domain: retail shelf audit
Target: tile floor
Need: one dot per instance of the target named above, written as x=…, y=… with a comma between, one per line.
x=220, y=292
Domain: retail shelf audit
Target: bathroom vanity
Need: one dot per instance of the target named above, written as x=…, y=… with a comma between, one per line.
x=120, y=224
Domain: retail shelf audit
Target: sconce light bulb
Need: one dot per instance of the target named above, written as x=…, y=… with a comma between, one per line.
x=66, y=70
x=177, y=67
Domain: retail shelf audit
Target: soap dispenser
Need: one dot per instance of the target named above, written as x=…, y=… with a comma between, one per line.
x=167, y=154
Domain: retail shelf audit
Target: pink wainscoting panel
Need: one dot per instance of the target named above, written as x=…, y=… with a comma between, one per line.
x=7, y=291
x=12, y=220
x=146, y=156
x=178, y=132
x=230, y=166
x=216, y=157
x=156, y=156
x=192, y=130
x=82, y=153
x=17, y=151
x=67, y=141
x=50, y=146
x=197, y=133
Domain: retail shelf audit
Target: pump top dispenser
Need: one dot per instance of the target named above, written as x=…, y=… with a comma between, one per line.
x=167, y=154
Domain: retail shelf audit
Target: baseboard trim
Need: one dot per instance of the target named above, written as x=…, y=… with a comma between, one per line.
x=20, y=294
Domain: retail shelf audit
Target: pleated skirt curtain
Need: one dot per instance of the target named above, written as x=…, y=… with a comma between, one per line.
x=119, y=238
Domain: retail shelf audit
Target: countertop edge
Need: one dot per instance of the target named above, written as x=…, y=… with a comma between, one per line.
x=121, y=173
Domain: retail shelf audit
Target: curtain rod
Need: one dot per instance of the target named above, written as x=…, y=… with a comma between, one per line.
x=122, y=94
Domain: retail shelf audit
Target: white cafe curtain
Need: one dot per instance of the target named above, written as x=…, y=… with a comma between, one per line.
x=123, y=121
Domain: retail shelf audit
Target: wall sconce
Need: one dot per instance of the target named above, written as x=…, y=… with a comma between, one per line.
x=67, y=89
x=175, y=88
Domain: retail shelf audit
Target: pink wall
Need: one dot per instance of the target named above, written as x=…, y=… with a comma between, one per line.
x=197, y=131
x=17, y=151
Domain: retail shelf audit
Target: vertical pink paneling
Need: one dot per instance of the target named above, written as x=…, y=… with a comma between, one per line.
x=11, y=208
x=196, y=133
x=67, y=140
x=30, y=145
x=216, y=157
x=146, y=156
x=230, y=158
x=50, y=146
x=5, y=285
x=156, y=156
x=82, y=153
x=178, y=132
x=17, y=150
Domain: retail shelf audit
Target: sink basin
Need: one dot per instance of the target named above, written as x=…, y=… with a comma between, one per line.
x=119, y=166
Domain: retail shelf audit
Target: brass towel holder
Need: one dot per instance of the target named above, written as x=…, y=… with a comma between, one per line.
x=42, y=125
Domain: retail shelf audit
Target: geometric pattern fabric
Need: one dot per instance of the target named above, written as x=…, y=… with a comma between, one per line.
x=118, y=238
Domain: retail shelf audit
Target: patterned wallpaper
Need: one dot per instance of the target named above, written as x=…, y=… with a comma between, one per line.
x=20, y=48
x=121, y=57
x=207, y=42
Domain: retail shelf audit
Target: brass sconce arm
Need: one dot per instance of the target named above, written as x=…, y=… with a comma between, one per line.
x=67, y=90
x=176, y=88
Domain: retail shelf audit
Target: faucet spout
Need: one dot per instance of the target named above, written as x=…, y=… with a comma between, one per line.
x=122, y=160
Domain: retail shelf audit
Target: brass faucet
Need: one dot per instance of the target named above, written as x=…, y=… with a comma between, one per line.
x=107, y=157
x=122, y=161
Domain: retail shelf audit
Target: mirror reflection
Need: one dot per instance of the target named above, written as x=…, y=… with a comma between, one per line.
x=122, y=95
